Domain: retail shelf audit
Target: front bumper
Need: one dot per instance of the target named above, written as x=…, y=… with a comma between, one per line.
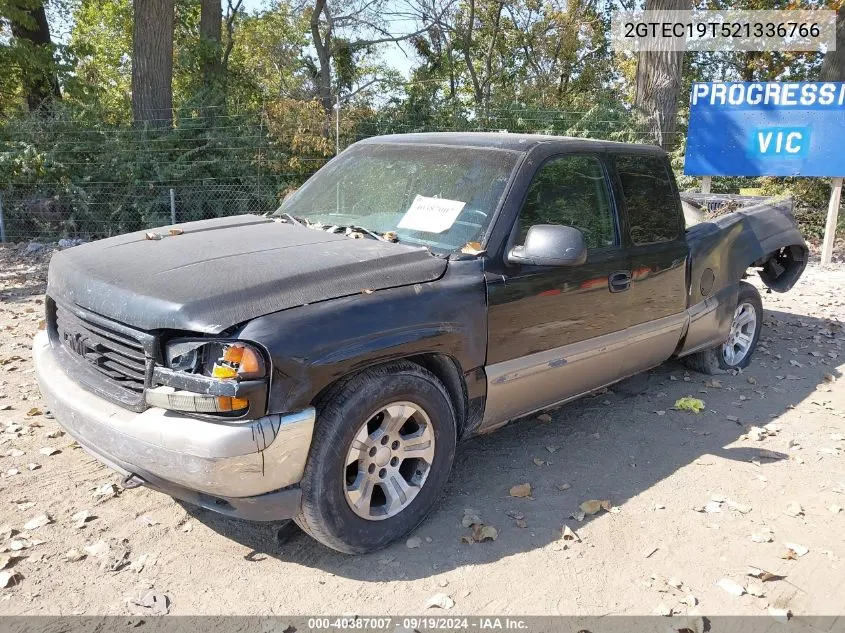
x=249, y=470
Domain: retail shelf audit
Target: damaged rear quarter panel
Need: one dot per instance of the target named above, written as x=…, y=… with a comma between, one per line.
x=314, y=345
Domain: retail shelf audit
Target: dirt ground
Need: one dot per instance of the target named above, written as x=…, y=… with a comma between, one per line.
x=694, y=498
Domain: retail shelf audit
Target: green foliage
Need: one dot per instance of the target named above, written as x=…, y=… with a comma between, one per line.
x=257, y=128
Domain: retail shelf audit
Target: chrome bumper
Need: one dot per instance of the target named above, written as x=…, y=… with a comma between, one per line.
x=222, y=466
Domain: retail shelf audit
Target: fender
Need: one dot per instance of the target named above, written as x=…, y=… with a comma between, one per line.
x=313, y=346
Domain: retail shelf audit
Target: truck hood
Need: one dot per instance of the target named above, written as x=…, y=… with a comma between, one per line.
x=222, y=272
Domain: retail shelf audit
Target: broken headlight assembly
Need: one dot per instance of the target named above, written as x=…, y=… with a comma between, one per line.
x=216, y=378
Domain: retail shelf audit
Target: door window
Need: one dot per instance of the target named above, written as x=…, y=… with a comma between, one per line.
x=571, y=191
x=649, y=198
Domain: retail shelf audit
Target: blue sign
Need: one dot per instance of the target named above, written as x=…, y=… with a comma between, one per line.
x=766, y=129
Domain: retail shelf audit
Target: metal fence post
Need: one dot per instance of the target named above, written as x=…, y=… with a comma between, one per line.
x=172, y=207
x=2, y=222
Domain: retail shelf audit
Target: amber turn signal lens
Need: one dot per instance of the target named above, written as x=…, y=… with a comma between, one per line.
x=224, y=371
x=226, y=403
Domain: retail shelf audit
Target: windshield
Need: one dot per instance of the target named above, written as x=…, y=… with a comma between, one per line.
x=441, y=197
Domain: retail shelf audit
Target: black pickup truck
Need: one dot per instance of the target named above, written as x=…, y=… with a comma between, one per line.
x=321, y=363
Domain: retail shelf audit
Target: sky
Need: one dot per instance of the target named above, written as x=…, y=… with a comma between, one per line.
x=393, y=54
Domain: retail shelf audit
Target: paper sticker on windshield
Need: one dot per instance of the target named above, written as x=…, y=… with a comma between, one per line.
x=432, y=215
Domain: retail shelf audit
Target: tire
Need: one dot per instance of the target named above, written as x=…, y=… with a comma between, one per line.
x=716, y=359
x=365, y=409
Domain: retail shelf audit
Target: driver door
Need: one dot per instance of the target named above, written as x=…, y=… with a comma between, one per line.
x=551, y=329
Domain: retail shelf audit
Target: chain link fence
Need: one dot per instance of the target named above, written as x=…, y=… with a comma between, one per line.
x=45, y=213
x=60, y=179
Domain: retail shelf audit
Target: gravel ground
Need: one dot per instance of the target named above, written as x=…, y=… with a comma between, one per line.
x=695, y=500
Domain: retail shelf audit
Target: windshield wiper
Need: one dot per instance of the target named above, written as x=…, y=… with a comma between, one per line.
x=390, y=236
x=290, y=218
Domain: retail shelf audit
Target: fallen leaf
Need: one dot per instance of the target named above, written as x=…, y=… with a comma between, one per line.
x=413, y=543
x=521, y=490
x=663, y=610
x=482, y=533
x=540, y=462
x=731, y=586
x=439, y=601
x=98, y=549
x=80, y=518
x=106, y=491
x=798, y=550
x=146, y=520
x=755, y=589
x=794, y=509
x=689, y=600
x=470, y=518
x=739, y=507
x=763, y=575
x=9, y=578
x=544, y=417
x=138, y=564
x=33, y=412
x=473, y=248
x=564, y=487
x=175, y=231
x=154, y=603
x=593, y=506
x=74, y=555
x=567, y=534
x=693, y=405
x=757, y=434
x=713, y=384
x=712, y=507
x=36, y=522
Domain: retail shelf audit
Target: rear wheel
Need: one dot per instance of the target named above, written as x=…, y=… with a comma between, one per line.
x=382, y=450
x=736, y=351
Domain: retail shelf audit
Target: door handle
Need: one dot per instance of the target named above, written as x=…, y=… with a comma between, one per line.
x=619, y=281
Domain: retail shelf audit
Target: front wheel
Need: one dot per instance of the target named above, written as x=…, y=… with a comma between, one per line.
x=736, y=351
x=382, y=450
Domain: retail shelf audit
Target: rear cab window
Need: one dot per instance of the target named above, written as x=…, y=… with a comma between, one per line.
x=650, y=199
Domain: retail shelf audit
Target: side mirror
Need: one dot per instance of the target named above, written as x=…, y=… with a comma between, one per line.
x=550, y=245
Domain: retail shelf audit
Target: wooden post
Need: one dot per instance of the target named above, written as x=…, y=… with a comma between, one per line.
x=705, y=184
x=832, y=214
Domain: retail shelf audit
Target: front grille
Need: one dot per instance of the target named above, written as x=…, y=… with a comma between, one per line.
x=119, y=356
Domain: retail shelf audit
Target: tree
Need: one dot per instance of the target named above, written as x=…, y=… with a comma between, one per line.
x=658, y=83
x=833, y=66
x=340, y=32
x=34, y=51
x=152, y=62
x=211, y=20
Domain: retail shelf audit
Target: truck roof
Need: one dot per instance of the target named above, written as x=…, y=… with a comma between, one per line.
x=511, y=142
